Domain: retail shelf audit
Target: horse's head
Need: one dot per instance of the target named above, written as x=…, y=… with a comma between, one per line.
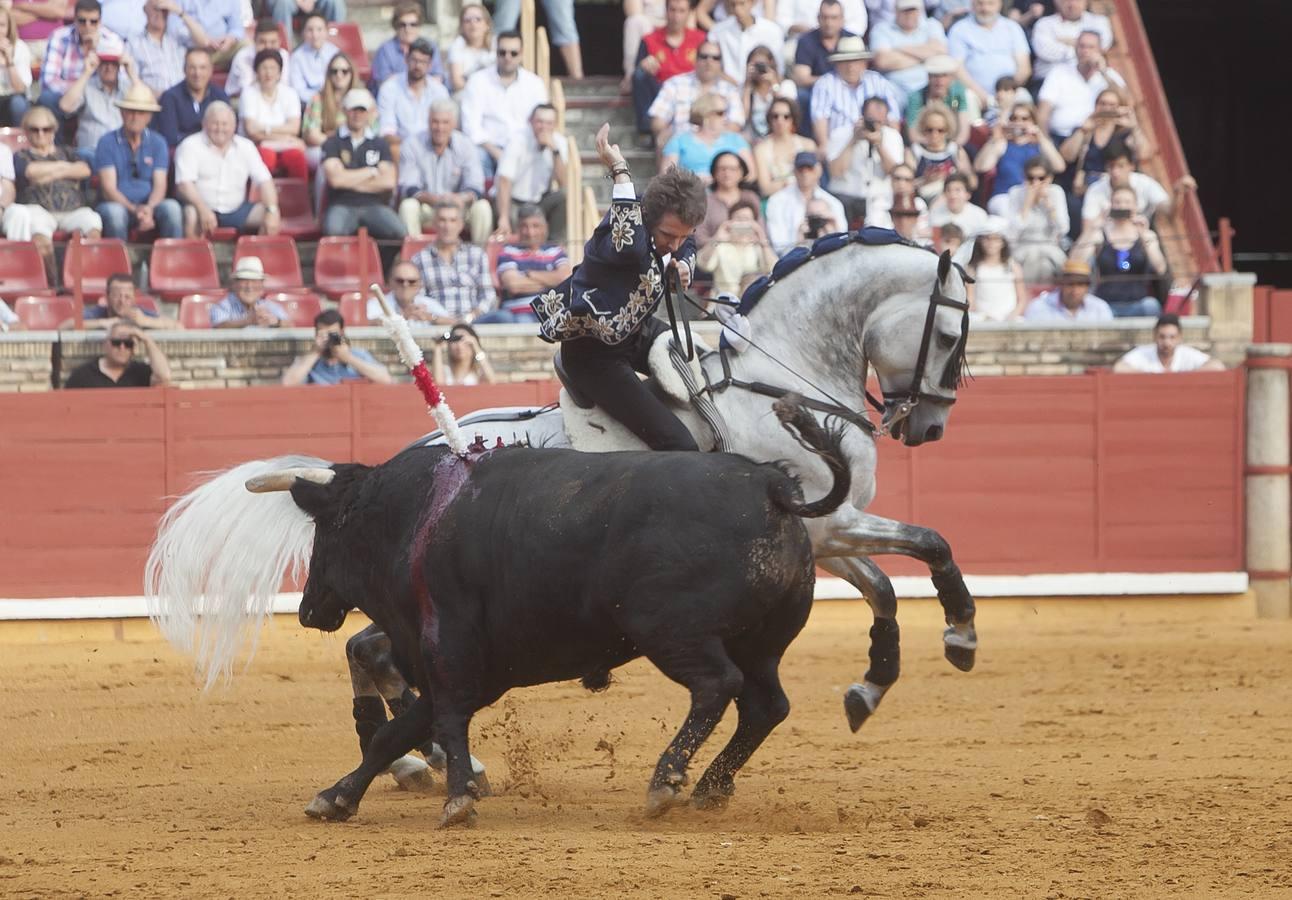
x=916, y=345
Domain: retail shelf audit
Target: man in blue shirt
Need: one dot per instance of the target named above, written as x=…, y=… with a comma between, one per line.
x=404, y=101
x=332, y=360
x=390, y=58
x=131, y=163
x=183, y=105
x=812, y=54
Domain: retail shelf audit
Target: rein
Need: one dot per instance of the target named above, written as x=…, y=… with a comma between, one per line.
x=673, y=286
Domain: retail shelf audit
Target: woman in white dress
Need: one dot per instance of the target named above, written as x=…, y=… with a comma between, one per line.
x=997, y=294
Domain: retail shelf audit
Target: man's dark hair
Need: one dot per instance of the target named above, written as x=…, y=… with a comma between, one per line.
x=1006, y=83
x=956, y=178
x=1118, y=149
x=89, y=6
x=1036, y=162
x=675, y=191
x=877, y=100
x=422, y=46
x=540, y=107
x=743, y=204
x=266, y=26
x=1167, y=319
x=193, y=50
x=314, y=15
x=952, y=231
x=116, y=277
x=529, y=211
x=266, y=55
x=511, y=35
x=329, y=317
x=837, y=3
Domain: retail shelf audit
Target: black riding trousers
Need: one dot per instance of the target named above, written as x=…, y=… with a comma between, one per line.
x=608, y=376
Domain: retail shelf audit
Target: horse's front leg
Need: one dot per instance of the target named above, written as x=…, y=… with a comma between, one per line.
x=860, y=700
x=376, y=683
x=861, y=534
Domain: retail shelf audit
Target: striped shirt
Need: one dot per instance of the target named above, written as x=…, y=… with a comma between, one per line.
x=65, y=58
x=839, y=103
x=673, y=102
x=460, y=285
x=517, y=258
x=160, y=65
x=231, y=309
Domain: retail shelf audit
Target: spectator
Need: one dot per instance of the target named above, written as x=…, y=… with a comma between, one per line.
x=7, y=188
x=284, y=11
x=901, y=180
x=15, y=68
x=695, y=150
x=184, y=105
x=1011, y=145
x=799, y=17
x=92, y=99
x=119, y=306
x=726, y=189
x=1151, y=199
x=405, y=296
x=497, y=101
x=934, y=156
x=1024, y=12
x=324, y=114
x=989, y=46
x=903, y=47
x=1127, y=255
x=117, y=367
x=943, y=87
x=158, y=55
x=456, y=275
x=309, y=61
x=739, y=33
x=391, y=57
x=472, y=49
x=220, y=30
x=360, y=176
x=532, y=170
x=789, y=219
x=950, y=239
x=242, y=71
x=812, y=52
x=405, y=99
x=125, y=18
x=763, y=84
x=1008, y=95
x=1068, y=94
x=954, y=208
x=664, y=53
x=774, y=154
x=1054, y=37
x=9, y=320
x=132, y=164
x=246, y=305
x=997, y=293
x=332, y=360
x=1112, y=123
x=739, y=250
x=467, y=363
x=529, y=266
x=906, y=219
x=1037, y=217
x=561, y=30
x=69, y=49
x=50, y=189
x=212, y=169
x=839, y=96
x=640, y=19
x=38, y=19
x=271, y=118
x=708, y=13
x=670, y=113
x=1166, y=353
x=1071, y=301
x=442, y=166
x=861, y=158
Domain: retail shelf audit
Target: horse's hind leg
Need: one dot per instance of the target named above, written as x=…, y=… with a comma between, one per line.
x=371, y=680
x=860, y=700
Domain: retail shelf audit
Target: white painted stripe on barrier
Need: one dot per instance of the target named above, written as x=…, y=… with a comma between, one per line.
x=1082, y=584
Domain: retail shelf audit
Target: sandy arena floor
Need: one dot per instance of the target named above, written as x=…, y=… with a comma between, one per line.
x=1097, y=751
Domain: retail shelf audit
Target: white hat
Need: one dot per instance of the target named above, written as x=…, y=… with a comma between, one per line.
x=850, y=47
x=941, y=64
x=910, y=4
x=993, y=225
x=250, y=268
x=358, y=98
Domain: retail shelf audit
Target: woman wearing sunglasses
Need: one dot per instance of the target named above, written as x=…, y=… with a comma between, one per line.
x=324, y=115
x=473, y=48
x=1012, y=144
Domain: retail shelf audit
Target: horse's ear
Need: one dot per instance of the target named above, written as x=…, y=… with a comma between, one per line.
x=944, y=266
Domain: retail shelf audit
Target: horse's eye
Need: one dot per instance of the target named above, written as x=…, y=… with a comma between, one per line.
x=948, y=341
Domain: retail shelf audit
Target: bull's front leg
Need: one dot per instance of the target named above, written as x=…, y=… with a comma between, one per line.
x=390, y=742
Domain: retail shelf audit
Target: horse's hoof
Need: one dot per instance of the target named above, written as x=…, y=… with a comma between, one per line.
x=436, y=758
x=329, y=809
x=411, y=774
x=483, y=787
x=661, y=799
x=458, y=811
x=961, y=649
x=857, y=706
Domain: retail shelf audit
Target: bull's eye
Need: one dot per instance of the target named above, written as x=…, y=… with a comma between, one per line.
x=948, y=341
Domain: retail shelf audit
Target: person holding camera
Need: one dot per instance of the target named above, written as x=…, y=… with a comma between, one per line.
x=1151, y=199
x=332, y=360
x=763, y=85
x=934, y=155
x=739, y=251
x=1113, y=123
x=862, y=156
x=1068, y=95
x=803, y=211
x=1012, y=144
x=730, y=174
x=1126, y=255
x=456, y=358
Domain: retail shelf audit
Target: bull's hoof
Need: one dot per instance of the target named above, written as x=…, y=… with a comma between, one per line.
x=411, y=774
x=458, y=811
x=961, y=647
x=661, y=799
x=483, y=787
x=857, y=706
x=330, y=806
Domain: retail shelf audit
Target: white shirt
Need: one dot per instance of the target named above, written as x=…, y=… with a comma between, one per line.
x=1041, y=225
x=737, y=44
x=969, y=220
x=529, y=167
x=1148, y=193
x=865, y=171
x=7, y=316
x=421, y=301
x=786, y=209
x=21, y=57
x=221, y=178
x=6, y=163
x=284, y=106
x=241, y=73
x=1144, y=358
x=1051, y=51
x=1073, y=96
x=804, y=13
x=493, y=112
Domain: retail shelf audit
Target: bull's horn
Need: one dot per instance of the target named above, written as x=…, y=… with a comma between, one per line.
x=282, y=479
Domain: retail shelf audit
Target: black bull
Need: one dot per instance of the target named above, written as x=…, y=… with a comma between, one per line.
x=526, y=566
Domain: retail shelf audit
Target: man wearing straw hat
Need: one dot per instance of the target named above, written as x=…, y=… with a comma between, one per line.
x=131, y=164
x=838, y=96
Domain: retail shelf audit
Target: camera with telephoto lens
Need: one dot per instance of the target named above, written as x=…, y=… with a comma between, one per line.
x=450, y=337
x=871, y=125
x=815, y=226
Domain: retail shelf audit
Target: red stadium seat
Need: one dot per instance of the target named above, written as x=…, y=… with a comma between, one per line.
x=147, y=303
x=22, y=269
x=278, y=253
x=415, y=244
x=94, y=260
x=297, y=208
x=301, y=308
x=493, y=249
x=194, y=310
x=14, y=138
x=349, y=38
x=354, y=309
x=44, y=313
x=181, y=266
x=336, y=266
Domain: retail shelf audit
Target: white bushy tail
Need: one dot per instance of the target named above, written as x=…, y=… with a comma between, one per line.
x=218, y=562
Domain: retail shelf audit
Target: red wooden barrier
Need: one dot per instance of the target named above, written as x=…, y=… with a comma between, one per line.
x=1059, y=474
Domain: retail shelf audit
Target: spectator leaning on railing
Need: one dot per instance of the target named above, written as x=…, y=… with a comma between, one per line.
x=1166, y=353
x=245, y=305
x=1071, y=301
x=117, y=367
x=119, y=306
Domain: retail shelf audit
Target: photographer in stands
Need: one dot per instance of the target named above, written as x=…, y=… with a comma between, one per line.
x=332, y=360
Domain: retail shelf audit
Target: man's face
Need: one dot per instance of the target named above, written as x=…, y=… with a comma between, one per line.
x=267, y=40
x=738, y=9
x=109, y=70
x=807, y=177
x=248, y=290
x=669, y=233
x=197, y=72
x=1073, y=293
x=1071, y=9
x=956, y=196
x=909, y=19
x=1119, y=172
x=875, y=109
x=121, y=298
x=939, y=85
x=850, y=70
x=219, y=127
x=532, y=231
x=405, y=283
x=448, y=226
x=1088, y=49
x=135, y=121
x=708, y=62
x=407, y=28
x=87, y=26
x=676, y=13
x=119, y=345
x=314, y=33
x=356, y=120
x=418, y=65
x=508, y=56
x=903, y=179
x=155, y=15
x=40, y=132
x=543, y=122
x=1167, y=338
x=441, y=127
x=334, y=328
x=986, y=11
x=830, y=19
